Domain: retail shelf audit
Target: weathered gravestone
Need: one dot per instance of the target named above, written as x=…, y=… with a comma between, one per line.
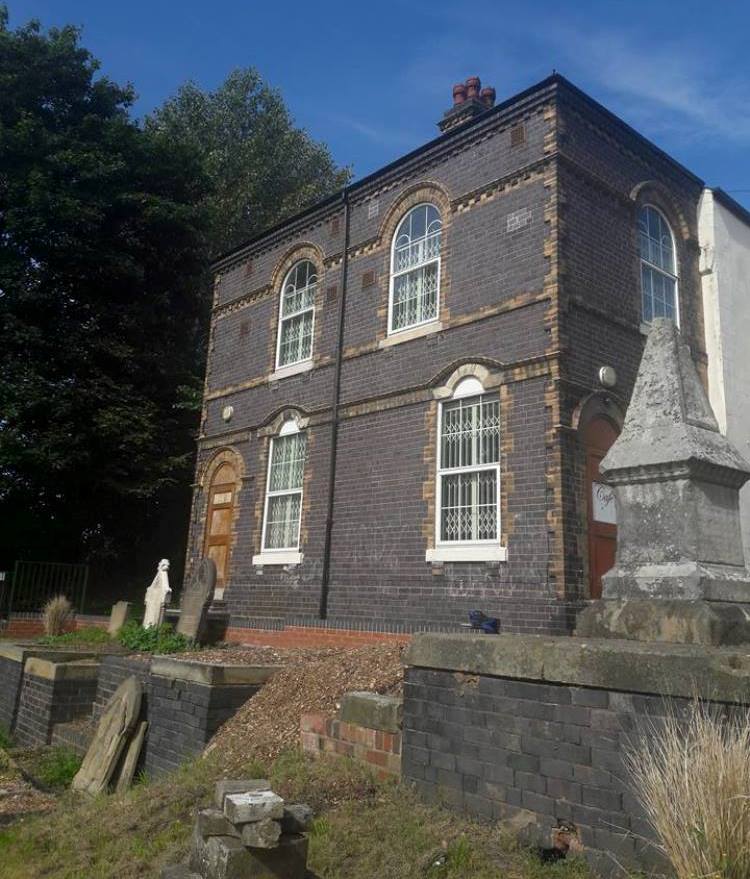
x=130, y=760
x=196, y=599
x=158, y=595
x=112, y=734
x=118, y=617
x=680, y=573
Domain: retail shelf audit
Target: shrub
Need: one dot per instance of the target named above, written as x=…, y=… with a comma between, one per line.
x=5, y=740
x=157, y=639
x=692, y=776
x=86, y=635
x=57, y=615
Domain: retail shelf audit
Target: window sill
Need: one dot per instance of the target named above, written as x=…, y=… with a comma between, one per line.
x=479, y=553
x=277, y=557
x=292, y=369
x=434, y=326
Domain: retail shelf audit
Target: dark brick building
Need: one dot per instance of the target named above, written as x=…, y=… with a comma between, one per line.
x=434, y=337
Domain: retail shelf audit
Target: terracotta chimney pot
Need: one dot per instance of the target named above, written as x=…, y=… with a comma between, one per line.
x=488, y=96
x=459, y=93
x=473, y=85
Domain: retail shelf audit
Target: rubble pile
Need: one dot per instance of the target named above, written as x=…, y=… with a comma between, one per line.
x=250, y=833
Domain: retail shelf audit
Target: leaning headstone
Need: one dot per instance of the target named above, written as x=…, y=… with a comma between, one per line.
x=130, y=761
x=679, y=572
x=196, y=597
x=118, y=617
x=115, y=726
x=158, y=595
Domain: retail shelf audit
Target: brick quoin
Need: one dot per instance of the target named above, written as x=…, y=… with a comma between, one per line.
x=539, y=283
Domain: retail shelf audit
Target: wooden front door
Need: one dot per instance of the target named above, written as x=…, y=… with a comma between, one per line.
x=221, y=499
x=599, y=434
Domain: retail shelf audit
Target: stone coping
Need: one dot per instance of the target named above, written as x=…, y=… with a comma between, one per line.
x=214, y=673
x=372, y=711
x=77, y=669
x=20, y=651
x=683, y=670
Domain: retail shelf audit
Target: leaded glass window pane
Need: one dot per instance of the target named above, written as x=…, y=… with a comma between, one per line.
x=297, y=313
x=469, y=469
x=658, y=265
x=284, y=505
x=415, y=268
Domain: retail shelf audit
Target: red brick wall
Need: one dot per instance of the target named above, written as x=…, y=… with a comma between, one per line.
x=32, y=626
x=321, y=734
x=300, y=636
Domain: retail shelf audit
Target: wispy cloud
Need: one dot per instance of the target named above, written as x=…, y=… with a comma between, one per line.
x=386, y=136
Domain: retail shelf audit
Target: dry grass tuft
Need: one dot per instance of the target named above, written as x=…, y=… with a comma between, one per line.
x=693, y=778
x=57, y=616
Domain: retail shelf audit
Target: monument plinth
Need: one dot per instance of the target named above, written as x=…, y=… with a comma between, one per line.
x=680, y=572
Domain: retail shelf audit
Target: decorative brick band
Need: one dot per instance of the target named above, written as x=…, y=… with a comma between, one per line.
x=301, y=636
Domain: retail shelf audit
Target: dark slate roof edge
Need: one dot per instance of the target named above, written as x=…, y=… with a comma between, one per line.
x=726, y=200
x=555, y=81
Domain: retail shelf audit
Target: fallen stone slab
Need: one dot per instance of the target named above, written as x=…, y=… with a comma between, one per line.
x=115, y=726
x=261, y=834
x=254, y=806
x=234, y=786
x=130, y=761
x=297, y=818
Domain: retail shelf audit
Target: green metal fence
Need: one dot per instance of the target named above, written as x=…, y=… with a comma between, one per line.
x=32, y=584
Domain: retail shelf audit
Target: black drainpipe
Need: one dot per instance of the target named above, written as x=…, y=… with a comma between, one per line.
x=326, y=574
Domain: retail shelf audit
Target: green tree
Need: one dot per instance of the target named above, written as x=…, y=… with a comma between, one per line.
x=106, y=229
x=102, y=251
x=260, y=167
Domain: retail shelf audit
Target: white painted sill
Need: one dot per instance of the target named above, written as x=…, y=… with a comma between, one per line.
x=292, y=369
x=396, y=338
x=277, y=557
x=490, y=553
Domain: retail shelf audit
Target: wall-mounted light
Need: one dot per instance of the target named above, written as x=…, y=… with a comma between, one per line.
x=607, y=376
x=227, y=412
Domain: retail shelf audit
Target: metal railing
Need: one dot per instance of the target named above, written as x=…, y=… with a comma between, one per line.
x=32, y=584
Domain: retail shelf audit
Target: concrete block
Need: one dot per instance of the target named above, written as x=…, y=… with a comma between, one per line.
x=211, y=822
x=297, y=818
x=238, y=786
x=261, y=834
x=253, y=806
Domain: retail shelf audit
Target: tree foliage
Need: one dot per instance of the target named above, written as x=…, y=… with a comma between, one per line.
x=105, y=232
x=260, y=167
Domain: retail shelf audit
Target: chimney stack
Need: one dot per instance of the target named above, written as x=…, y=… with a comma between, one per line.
x=469, y=101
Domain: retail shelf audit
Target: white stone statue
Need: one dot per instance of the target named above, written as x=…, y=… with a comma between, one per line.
x=158, y=596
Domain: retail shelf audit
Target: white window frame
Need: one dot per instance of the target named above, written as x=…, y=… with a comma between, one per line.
x=396, y=274
x=658, y=269
x=294, y=366
x=283, y=555
x=464, y=550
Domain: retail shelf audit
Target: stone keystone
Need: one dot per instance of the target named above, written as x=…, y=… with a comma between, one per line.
x=243, y=808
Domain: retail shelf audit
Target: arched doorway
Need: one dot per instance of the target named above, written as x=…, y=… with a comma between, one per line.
x=598, y=435
x=219, y=516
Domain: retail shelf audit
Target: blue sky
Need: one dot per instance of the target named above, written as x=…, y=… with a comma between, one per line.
x=372, y=79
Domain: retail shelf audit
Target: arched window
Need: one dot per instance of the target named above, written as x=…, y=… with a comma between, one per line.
x=658, y=265
x=468, y=476
x=283, y=506
x=415, y=269
x=297, y=314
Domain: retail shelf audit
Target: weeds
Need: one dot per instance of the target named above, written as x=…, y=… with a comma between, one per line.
x=56, y=768
x=57, y=615
x=5, y=740
x=86, y=635
x=692, y=776
x=156, y=639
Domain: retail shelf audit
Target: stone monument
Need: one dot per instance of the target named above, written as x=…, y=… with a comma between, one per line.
x=158, y=596
x=196, y=599
x=680, y=573
x=110, y=740
x=118, y=617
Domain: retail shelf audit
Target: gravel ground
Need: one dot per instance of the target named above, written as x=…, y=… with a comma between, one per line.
x=312, y=680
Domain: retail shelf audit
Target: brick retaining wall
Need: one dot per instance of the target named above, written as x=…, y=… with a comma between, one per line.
x=532, y=731
x=312, y=636
x=321, y=734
